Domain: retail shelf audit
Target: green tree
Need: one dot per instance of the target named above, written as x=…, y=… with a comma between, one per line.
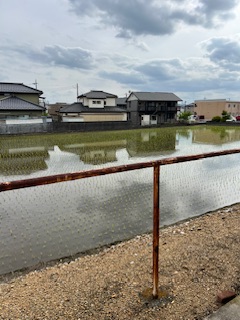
x=184, y=115
x=225, y=116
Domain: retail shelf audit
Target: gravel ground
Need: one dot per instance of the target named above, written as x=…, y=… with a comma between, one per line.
x=198, y=258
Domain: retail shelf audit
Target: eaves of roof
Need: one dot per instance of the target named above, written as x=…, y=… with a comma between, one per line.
x=11, y=87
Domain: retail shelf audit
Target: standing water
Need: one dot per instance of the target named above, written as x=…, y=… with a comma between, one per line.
x=44, y=223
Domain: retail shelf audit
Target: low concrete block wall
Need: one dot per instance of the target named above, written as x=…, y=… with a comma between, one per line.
x=62, y=127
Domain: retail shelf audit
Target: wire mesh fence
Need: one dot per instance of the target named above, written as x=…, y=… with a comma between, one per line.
x=43, y=221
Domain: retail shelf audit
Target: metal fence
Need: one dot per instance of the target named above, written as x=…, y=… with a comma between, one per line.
x=12, y=185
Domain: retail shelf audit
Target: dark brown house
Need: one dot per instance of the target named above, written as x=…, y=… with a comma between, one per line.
x=152, y=108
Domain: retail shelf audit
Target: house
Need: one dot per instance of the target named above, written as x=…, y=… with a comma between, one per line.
x=93, y=106
x=53, y=109
x=20, y=103
x=21, y=91
x=215, y=107
x=152, y=108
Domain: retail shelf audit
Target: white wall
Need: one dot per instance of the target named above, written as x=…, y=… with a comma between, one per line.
x=24, y=121
x=111, y=102
x=72, y=119
x=98, y=103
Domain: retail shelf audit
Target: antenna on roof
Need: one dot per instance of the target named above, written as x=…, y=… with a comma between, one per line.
x=35, y=83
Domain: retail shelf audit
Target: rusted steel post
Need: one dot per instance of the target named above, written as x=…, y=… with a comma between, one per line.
x=155, y=229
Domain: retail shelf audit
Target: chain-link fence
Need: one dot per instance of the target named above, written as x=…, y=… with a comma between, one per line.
x=43, y=220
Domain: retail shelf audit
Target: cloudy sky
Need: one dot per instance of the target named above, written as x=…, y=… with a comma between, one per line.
x=188, y=47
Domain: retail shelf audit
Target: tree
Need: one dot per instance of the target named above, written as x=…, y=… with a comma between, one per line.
x=225, y=116
x=184, y=115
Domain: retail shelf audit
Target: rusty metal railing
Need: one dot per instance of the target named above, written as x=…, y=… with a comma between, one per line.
x=11, y=185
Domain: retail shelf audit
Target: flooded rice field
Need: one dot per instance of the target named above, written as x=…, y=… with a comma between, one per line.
x=44, y=223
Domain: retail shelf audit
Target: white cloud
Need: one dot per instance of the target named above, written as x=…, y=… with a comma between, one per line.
x=117, y=46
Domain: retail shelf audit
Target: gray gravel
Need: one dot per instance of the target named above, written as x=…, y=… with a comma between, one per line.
x=198, y=258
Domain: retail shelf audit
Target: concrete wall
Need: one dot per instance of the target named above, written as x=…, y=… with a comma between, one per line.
x=209, y=108
x=63, y=127
x=90, y=117
x=25, y=121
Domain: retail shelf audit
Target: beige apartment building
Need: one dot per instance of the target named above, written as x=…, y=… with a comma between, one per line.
x=215, y=107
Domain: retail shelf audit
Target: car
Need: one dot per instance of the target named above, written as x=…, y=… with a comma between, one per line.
x=231, y=119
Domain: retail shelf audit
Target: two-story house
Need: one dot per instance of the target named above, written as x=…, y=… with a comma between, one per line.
x=93, y=106
x=152, y=108
x=19, y=103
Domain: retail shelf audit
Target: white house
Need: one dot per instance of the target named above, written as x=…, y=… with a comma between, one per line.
x=93, y=106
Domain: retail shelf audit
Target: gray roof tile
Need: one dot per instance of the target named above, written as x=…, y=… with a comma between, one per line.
x=78, y=107
x=94, y=94
x=156, y=96
x=8, y=87
x=15, y=103
x=121, y=100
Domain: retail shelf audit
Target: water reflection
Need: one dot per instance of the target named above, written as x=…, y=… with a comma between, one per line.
x=96, y=152
x=26, y=155
x=215, y=135
x=147, y=143
x=53, y=221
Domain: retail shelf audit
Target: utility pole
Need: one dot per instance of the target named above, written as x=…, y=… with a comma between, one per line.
x=35, y=83
x=77, y=90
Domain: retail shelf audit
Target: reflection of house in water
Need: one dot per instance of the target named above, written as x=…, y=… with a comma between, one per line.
x=18, y=161
x=96, y=152
x=151, y=143
x=218, y=135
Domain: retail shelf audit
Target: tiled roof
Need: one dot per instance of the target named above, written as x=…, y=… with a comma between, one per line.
x=78, y=107
x=94, y=94
x=15, y=103
x=121, y=100
x=156, y=96
x=73, y=108
x=8, y=87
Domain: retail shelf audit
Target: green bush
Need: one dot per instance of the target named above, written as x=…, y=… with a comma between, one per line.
x=216, y=119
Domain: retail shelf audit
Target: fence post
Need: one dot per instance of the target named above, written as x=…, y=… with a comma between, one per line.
x=155, y=228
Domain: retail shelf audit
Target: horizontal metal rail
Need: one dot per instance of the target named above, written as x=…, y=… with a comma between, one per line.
x=26, y=183
x=11, y=185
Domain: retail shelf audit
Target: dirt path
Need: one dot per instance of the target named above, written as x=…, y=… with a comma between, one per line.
x=198, y=259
